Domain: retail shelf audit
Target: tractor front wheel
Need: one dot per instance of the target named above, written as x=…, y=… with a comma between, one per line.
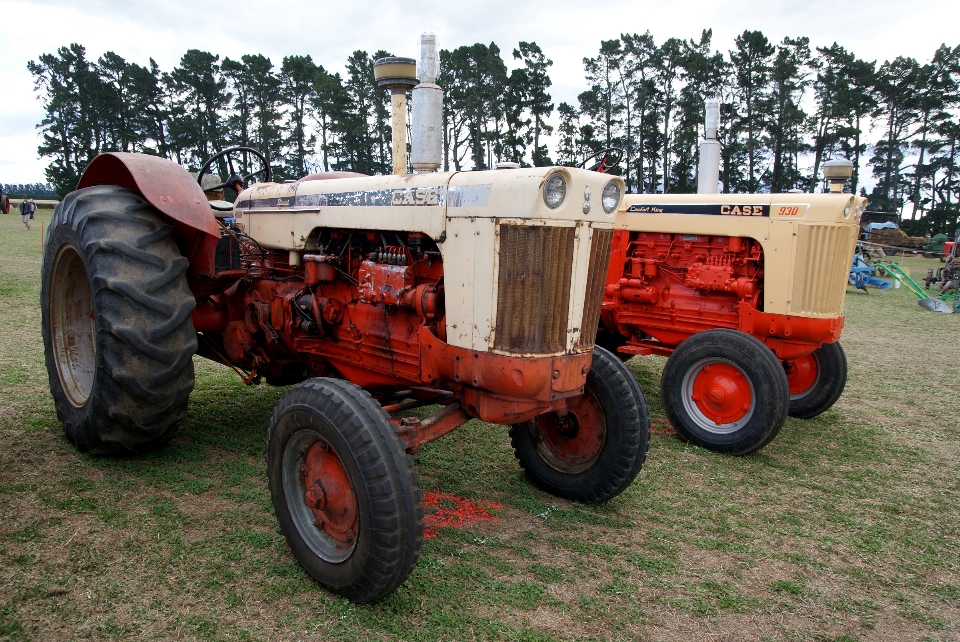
x=117, y=332
x=726, y=391
x=595, y=450
x=344, y=489
x=816, y=380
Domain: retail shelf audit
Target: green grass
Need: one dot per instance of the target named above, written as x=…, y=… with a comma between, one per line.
x=844, y=528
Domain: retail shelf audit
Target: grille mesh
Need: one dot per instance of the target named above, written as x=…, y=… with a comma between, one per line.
x=823, y=256
x=533, y=293
x=596, y=280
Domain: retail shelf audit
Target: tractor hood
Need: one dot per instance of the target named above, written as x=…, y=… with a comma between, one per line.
x=283, y=215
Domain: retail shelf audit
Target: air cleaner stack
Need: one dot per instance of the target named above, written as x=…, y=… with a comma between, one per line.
x=399, y=75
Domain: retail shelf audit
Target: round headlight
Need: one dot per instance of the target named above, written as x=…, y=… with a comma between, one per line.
x=846, y=210
x=861, y=205
x=610, y=197
x=554, y=190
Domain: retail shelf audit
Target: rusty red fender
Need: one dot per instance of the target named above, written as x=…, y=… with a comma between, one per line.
x=165, y=185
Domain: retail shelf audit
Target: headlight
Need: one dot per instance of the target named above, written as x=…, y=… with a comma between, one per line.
x=610, y=197
x=846, y=210
x=861, y=205
x=554, y=190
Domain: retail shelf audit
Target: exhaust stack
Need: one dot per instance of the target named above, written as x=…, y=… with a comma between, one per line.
x=708, y=173
x=426, y=149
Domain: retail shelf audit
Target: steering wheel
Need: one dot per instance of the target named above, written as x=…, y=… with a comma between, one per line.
x=603, y=163
x=235, y=181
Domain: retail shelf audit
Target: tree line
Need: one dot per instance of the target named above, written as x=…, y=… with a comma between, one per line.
x=33, y=190
x=786, y=107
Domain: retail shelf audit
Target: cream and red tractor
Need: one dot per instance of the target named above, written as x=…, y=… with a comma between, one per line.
x=476, y=291
x=744, y=293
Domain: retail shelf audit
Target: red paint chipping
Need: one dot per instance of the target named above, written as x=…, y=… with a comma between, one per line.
x=449, y=511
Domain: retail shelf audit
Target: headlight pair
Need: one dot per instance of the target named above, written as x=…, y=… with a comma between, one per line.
x=555, y=190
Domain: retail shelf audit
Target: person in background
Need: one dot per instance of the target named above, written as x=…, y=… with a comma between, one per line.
x=33, y=207
x=25, y=213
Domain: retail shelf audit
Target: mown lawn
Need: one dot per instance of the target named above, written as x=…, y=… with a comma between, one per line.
x=845, y=528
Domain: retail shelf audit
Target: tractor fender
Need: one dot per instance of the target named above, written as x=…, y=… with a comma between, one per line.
x=163, y=183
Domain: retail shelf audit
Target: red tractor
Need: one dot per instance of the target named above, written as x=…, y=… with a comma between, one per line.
x=744, y=293
x=479, y=292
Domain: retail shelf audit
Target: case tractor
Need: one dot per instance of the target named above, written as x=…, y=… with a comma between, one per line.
x=744, y=293
x=477, y=293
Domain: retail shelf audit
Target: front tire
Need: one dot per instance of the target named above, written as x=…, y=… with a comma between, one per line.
x=726, y=391
x=117, y=332
x=344, y=489
x=816, y=380
x=593, y=453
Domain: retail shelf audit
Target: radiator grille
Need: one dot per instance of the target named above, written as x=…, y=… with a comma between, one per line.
x=596, y=280
x=823, y=256
x=533, y=288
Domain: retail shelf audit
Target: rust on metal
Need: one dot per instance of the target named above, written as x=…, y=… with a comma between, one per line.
x=571, y=437
x=163, y=183
x=329, y=494
x=533, y=294
x=596, y=276
x=416, y=432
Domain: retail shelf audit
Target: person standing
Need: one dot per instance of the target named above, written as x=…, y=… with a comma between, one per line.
x=33, y=207
x=25, y=213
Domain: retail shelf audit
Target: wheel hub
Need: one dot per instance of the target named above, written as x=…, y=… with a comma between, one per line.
x=722, y=393
x=568, y=426
x=802, y=374
x=72, y=326
x=329, y=494
x=571, y=443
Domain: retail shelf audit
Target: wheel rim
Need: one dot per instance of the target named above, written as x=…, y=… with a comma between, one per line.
x=572, y=443
x=718, y=396
x=73, y=326
x=320, y=496
x=803, y=374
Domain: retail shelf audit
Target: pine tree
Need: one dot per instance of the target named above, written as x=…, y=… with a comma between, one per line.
x=297, y=74
x=537, y=100
x=751, y=66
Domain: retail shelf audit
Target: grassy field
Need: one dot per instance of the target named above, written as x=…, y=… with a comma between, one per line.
x=846, y=527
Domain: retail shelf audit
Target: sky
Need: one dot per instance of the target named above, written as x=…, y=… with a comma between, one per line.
x=566, y=30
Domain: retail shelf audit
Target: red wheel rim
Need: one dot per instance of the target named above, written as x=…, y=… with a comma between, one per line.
x=572, y=443
x=802, y=373
x=722, y=393
x=328, y=493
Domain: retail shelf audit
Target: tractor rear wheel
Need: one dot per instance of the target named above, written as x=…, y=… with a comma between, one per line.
x=816, y=380
x=344, y=489
x=595, y=451
x=726, y=391
x=117, y=332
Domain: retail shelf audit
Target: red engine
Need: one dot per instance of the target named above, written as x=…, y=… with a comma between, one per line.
x=359, y=297
x=367, y=306
x=663, y=288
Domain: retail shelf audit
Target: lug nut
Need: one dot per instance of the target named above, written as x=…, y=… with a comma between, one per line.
x=315, y=497
x=556, y=375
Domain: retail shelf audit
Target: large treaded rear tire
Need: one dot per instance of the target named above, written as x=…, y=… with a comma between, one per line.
x=387, y=500
x=117, y=330
x=553, y=457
